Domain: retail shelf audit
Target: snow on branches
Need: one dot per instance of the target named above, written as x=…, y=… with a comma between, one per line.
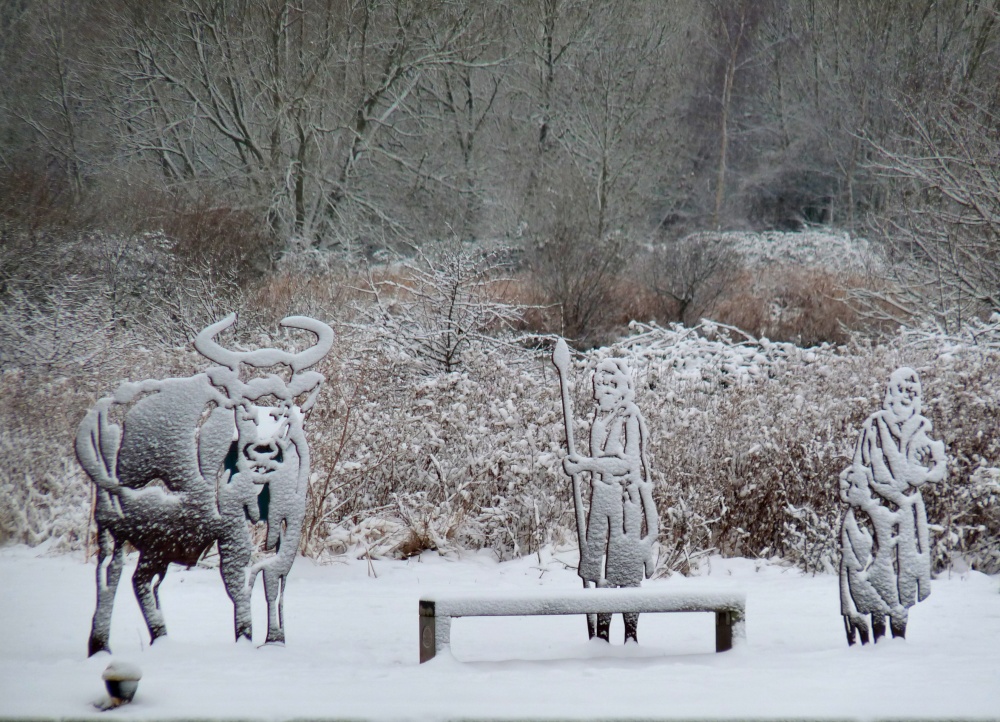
x=745, y=436
x=436, y=309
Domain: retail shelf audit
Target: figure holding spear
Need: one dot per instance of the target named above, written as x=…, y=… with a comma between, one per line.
x=616, y=542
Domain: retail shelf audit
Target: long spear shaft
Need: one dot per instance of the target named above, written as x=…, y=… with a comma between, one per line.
x=560, y=358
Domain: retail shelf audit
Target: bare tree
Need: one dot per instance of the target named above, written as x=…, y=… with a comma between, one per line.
x=581, y=278
x=735, y=23
x=692, y=273
x=834, y=84
x=458, y=107
x=613, y=132
x=943, y=229
x=363, y=123
x=290, y=106
x=436, y=309
x=51, y=92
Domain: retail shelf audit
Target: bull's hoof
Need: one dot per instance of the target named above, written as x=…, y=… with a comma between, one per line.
x=97, y=645
x=275, y=637
x=861, y=632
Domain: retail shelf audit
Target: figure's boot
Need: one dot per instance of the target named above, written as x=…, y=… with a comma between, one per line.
x=631, y=626
x=878, y=626
x=849, y=628
x=898, y=627
x=604, y=627
x=855, y=630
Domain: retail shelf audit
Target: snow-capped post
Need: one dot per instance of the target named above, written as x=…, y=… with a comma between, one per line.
x=614, y=551
x=200, y=460
x=122, y=681
x=885, y=563
x=561, y=359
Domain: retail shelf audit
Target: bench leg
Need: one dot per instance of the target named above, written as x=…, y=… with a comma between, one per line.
x=435, y=632
x=428, y=629
x=723, y=631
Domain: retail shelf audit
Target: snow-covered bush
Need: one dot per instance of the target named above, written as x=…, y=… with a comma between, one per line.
x=746, y=439
x=449, y=460
x=44, y=494
x=437, y=308
x=750, y=436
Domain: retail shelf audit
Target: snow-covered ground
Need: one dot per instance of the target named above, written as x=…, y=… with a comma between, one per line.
x=352, y=648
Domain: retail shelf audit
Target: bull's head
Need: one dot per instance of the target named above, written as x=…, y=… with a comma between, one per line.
x=265, y=433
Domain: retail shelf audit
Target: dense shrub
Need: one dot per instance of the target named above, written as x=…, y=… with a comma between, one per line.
x=747, y=436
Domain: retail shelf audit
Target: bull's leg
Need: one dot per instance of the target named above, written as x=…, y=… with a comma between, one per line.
x=274, y=590
x=110, y=558
x=146, y=579
x=234, y=564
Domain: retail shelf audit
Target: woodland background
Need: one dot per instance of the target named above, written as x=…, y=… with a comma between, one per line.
x=452, y=183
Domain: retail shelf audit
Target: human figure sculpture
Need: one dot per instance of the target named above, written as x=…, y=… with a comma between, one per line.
x=200, y=460
x=885, y=547
x=616, y=542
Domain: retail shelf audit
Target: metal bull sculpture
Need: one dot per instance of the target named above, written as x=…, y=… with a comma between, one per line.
x=200, y=460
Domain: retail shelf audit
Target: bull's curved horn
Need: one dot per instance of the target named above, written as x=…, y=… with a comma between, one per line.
x=207, y=347
x=264, y=357
x=312, y=355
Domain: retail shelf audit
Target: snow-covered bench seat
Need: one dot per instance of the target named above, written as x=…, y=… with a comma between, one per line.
x=437, y=611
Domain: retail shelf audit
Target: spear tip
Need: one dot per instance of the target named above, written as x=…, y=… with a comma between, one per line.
x=560, y=355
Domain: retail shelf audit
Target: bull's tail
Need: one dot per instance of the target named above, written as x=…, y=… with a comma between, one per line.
x=97, y=444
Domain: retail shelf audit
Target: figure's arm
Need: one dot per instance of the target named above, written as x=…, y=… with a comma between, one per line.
x=615, y=465
x=893, y=452
x=931, y=461
x=939, y=468
x=884, y=480
x=649, y=512
x=618, y=464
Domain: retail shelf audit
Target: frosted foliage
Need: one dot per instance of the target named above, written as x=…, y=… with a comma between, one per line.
x=616, y=542
x=197, y=461
x=886, y=563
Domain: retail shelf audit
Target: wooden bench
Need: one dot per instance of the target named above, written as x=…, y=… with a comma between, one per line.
x=437, y=611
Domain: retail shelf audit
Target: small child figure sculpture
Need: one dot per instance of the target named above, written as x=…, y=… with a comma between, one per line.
x=614, y=551
x=885, y=564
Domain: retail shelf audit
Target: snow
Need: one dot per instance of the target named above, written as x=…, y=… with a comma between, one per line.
x=352, y=648
x=570, y=601
x=119, y=671
x=812, y=248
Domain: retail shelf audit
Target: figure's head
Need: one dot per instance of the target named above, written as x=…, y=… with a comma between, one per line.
x=902, y=394
x=612, y=383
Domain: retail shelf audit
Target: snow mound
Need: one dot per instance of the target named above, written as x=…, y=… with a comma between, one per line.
x=834, y=250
